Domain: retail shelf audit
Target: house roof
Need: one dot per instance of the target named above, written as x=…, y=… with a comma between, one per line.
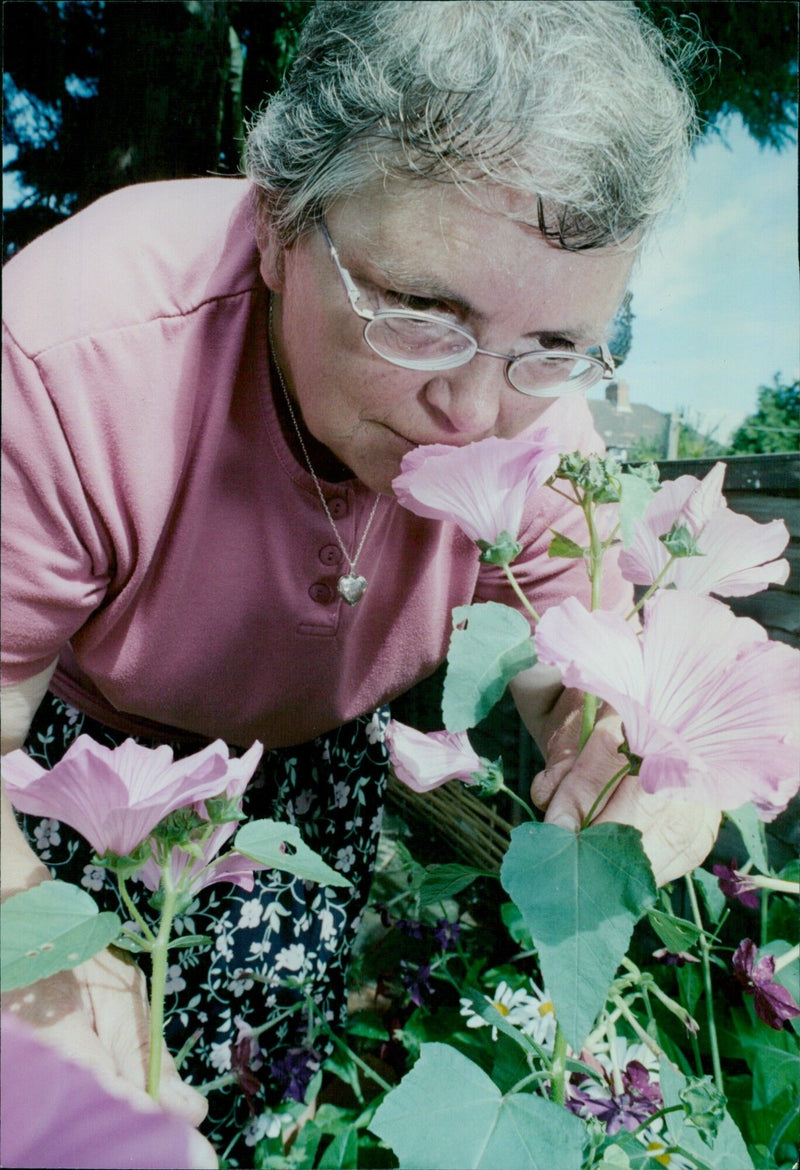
x=623, y=429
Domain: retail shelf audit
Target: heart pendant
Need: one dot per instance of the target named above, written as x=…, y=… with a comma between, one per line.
x=351, y=588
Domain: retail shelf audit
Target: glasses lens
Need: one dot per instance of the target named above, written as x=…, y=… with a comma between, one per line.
x=549, y=375
x=419, y=342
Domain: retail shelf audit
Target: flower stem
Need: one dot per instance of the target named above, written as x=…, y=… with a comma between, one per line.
x=790, y=957
x=777, y=884
x=615, y=779
x=558, y=1068
x=516, y=587
x=705, y=955
x=651, y=589
x=133, y=910
x=644, y=1036
x=588, y=717
x=158, y=981
x=509, y=792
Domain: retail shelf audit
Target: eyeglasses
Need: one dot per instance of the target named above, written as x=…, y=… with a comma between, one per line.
x=424, y=341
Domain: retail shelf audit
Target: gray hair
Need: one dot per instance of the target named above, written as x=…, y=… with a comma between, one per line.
x=581, y=104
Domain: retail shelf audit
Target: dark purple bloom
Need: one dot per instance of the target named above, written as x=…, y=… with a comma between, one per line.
x=417, y=983
x=294, y=1070
x=640, y=1098
x=736, y=885
x=774, y=1004
x=245, y=1058
x=447, y=933
x=411, y=927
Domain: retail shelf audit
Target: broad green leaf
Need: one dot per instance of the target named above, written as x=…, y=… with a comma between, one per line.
x=445, y=881
x=447, y=1113
x=51, y=927
x=636, y=495
x=728, y=1151
x=580, y=894
x=342, y=1152
x=281, y=846
x=677, y=934
x=489, y=646
x=753, y=834
x=773, y=1057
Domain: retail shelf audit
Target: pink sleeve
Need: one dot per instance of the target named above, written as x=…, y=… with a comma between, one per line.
x=55, y=555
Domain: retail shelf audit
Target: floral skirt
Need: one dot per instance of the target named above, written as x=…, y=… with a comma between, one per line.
x=277, y=962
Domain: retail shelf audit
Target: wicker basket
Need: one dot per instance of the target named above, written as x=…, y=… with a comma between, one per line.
x=472, y=831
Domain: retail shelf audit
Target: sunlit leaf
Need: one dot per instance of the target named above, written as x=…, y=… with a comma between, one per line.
x=636, y=495
x=51, y=927
x=447, y=1113
x=280, y=846
x=753, y=834
x=489, y=646
x=580, y=894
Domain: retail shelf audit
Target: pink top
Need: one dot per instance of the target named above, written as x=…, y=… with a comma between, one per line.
x=159, y=534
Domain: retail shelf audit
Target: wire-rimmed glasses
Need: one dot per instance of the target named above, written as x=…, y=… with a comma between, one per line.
x=425, y=341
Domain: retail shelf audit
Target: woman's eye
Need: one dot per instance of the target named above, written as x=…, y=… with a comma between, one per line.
x=553, y=341
x=399, y=300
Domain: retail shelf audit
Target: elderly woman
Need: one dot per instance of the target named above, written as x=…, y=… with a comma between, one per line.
x=209, y=387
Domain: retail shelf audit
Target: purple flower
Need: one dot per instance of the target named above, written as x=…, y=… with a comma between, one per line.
x=674, y=958
x=736, y=885
x=115, y=797
x=640, y=1098
x=294, y=1071
x=417, y=983
x=446, y=933
x=55, y=1112
x=774, y=1004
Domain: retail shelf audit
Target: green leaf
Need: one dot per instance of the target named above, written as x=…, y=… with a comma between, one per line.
x=728, y=1150
x=445, y=881
x=636, y=495
x=772, y=1056
x=753, y=834
x=562, y=546
x=190, y=940
x=677, y=934
x=712, y=894
x=580, y=895
x=281, y=846
x=342, y=1152
x=493, y=646
x=49, y=928
x=448, y=1113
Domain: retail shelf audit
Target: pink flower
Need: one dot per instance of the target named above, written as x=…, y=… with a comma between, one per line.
x=774, y=1004
x=738, y=554
x=483, y=486
x=707, y=702
x=115, y=797
x=423, y=762
x=736, y=885
x=56, y=1113
x=194, y=873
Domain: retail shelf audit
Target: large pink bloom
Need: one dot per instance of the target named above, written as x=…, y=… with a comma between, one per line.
x=482, y=487
x=194, y=873
x=56, y=1113
x=424, y=761
x=707, y=702
x=115, y=797
x=738, y=553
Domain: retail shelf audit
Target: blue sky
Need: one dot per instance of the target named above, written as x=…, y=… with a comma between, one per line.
x=715, y=294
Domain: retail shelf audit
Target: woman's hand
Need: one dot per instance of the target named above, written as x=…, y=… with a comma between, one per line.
x=97, y=1015
x=677, y=835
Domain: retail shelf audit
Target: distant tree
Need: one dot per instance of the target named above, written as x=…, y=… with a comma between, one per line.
x=692, y=444
x=775, y=425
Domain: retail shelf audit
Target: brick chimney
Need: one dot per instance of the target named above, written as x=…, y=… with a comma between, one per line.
x=618, y=393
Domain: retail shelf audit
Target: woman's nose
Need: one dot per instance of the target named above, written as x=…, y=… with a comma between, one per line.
x=466, y=401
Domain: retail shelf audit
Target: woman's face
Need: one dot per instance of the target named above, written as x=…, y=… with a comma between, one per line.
x=494, y=275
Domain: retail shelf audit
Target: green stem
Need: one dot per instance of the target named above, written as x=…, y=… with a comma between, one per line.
x=645, y=1038
x=588, y=717
x=615, y=779
x=158, y=981
x=516, y=587
x=342, y=1046
x=777, y=884
x=790, y=957
x=705, y=955
x=558, y=1068
x=133, y=910
x=651, y=589
x=518, y=800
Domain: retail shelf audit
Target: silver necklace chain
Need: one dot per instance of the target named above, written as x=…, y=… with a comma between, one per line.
x=352, y=586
